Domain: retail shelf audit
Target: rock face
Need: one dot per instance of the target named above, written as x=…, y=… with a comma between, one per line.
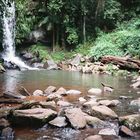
x=36, y=113
x=94, y=137
x=103, y=111
x=131, y=121
x=59, y=122
x=75, y=92
x=95, y=91
x=76, y=118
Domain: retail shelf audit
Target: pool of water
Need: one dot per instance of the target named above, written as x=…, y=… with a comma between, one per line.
x=32, y=80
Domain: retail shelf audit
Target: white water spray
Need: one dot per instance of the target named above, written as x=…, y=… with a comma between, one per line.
x=8, y=23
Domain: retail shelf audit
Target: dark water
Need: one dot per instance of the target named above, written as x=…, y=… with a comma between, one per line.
x=32, y=80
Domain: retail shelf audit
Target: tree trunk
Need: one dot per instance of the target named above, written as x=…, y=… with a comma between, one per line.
x=53, y=38
x=84, y=28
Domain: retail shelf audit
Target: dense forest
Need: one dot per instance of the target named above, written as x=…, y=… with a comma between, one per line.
x=93, y=27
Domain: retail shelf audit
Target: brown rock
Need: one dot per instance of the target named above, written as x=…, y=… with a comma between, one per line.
x=124, y=131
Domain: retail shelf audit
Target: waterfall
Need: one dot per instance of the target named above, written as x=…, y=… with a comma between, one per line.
x=8, y=23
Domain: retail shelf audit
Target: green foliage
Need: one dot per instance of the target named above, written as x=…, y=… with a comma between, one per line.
x=124, y=40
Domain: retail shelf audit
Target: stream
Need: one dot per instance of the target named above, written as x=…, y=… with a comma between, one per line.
x=32, y=80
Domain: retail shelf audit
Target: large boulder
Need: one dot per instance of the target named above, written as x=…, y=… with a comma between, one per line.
x=50, y=65
x=76, y=118
x=131, y=121
x=36, y=113
x=102, y=111
x=76, y=60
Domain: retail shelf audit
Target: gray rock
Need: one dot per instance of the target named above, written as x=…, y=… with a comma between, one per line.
x=54, y=96
x=76, y=60
x=38, y=65
x=107, y=131
x=36, y=113
x=38, y=92
x=63, y=103
x=76, y=118
x=75, y=92
x=50, y=65
x=49, y=104
x=94, y=137
x=103, y=111
x=95, y=91
x=109, y=102
x=91, y=103
x=50, y=89
x=59, y=122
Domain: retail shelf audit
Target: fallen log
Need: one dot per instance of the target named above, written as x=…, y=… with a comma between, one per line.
x=122, y=62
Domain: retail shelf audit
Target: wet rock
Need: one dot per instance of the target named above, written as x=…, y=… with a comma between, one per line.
x=125, y=132
x=95, y=91
x=61, y=91
x=63, y=103
x=49, y=90
x=94, y=137
x=36, y=113
x=82, y=100
x=75, y=92
x=50, y=65
x=102, y=111
x=76, y=118
x=135, y=102
x=3, y=123
x=38, y=65
x=109, y=103
x=49, y=104
x=59, y=122
x=107, y=131
x=38, y=92
x=90, y=103
x=94, y=121
x=7, y=134
x=131, y=121
x=54, y=96
x=27, y=56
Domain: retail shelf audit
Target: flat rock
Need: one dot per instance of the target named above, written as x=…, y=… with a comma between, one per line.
x=59, y=122
x=50, y=89
x=61, y=91
x=90, y=103
x=38, y=92
x=76, y=118
x=107, y=131
x=75, y=92
x=36, y=113
x=95, y=91
x=94, y=137
x=49, y=104
x=63, y=103
x=109, y=102
x=94, y=121
x=3, y=123
x=124, y=131
x=103, y=111
x=131, y=121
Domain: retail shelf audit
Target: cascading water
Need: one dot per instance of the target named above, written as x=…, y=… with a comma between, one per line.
x=8, y=22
